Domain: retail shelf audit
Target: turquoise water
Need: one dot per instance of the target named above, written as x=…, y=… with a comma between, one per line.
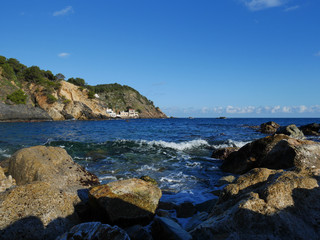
x=176, y=152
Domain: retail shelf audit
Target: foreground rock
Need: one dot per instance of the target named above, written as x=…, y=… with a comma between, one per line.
x=266, y=204
x=49, y=164
x=125, y=202
x=94, y=231
x=291, y=131
x=277, y=152
x=223, y=153
x=269, y=127
x=36, y=211
x=311, y=129
x=5, y=182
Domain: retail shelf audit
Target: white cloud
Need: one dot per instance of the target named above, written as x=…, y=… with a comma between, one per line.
x=63, y=55
x=317, y=54
x=63, y=12
x=288, y=9
x=256, y=5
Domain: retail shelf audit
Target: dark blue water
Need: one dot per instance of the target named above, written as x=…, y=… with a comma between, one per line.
x=176, y=152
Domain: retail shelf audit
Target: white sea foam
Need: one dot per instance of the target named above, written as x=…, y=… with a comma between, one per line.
x=180, y=146
x=108, y=177
x=231, y=143
x=146, y=168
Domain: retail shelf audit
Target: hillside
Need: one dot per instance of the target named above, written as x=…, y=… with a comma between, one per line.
x=29, y=93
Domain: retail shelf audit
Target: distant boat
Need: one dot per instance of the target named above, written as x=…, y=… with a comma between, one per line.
x=190, y=117
x=221, y=118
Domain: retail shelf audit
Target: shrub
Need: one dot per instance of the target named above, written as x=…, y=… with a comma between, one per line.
x=77, y=81
x=91, y=94
x=8, y=72
x=51, y=99
x=18, y=97
x=33, y=74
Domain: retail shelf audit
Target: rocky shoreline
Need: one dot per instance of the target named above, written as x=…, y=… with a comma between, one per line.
x=272, y=193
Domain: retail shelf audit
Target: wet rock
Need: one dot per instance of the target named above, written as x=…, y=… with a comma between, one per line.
x=251, y=155
x=125, y=202
x=167, y=205
x=36, y=211
x=223, y=153
x=311, y=129
x=269, y=127
x=225, y=180
x=49, y=164
x=94, y=231
x=206, y=206
x=185, y=210
x=266, y=204
x=149, y=179
x=196, y=220
x=291, y=131
x=138, y=232
x=165, y=228
x=5, y=182
x=162, y=213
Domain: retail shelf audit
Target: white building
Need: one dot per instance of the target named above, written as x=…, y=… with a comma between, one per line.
x=111, y=113
x=133, y=113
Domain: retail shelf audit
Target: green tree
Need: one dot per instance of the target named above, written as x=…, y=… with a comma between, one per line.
x=18, y=97
x=60, y=76
x=77, y=81
x=2, y=60
x=48, y=74
x=33, y=74
x=8, y=72
x=16, y=65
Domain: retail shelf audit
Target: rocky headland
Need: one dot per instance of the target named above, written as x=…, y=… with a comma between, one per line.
x=32, y=94
x=272, y=193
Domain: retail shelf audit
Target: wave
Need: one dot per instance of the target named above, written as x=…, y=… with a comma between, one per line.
x=180, y=146
x=231, y=143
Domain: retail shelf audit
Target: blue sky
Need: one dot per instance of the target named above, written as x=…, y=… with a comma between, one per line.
x=205, y=58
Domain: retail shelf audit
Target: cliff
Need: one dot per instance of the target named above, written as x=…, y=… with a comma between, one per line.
x=28, y=94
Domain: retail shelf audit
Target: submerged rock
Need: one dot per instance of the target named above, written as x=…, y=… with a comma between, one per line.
x=36, y=211
x=311, y=129
x=94, y=231
x=269, y=127
x=291, y=131
x=125, y=202
x=223, y=153
x=266, y=204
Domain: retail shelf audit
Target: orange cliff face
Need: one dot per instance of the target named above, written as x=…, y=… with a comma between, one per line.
x=72, y=102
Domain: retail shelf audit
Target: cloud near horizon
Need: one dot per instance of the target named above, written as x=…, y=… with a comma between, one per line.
x=289, y=9
x=247, y=110
x=63, y=55
x=62, y=12
x=256, y=5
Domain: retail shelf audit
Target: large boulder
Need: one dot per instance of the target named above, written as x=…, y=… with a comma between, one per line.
x=125, y=202
x=266, y=204
x=94, y=231
x=277, y=152
x=311, y=129
x=223, y=153
x=291, y=131
x=251, y=155
x=269, y=127
x=5, y=182
x=49, y=164
x=36, y=211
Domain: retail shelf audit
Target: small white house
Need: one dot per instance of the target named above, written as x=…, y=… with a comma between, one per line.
x=96, y=95
x=111, y=113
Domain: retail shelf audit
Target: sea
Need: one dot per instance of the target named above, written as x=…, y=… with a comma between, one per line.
x=176, y=152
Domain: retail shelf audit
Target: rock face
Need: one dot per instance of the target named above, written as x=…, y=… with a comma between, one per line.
x=269, y=127
x=291, y=131
x=266, y=204
x=22, y=113
x=251, y=155
x=5, y=182
x=125, y=202
x=36, y=211
x=223, y=153
x=94, y=231
x=49, y=164
x=311, y=129
x=276, y=152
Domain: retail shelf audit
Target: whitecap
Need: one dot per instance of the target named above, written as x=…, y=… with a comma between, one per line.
x=231, y=143
x=180, y=146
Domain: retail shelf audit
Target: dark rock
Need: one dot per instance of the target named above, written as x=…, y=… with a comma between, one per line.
x=138, y=232
x=165, y=228
x=22, y=112
x=251, y=155
x=266, y=204
x=162, y=213
x=149, y=179
x=291, y=131
x=125, y=202
x=311, y=129
x=223, y=153
x=269, y=127
x=185, y=210
x=206, y=206
x=166, y=205
x=94, y=231
x=196, y=220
